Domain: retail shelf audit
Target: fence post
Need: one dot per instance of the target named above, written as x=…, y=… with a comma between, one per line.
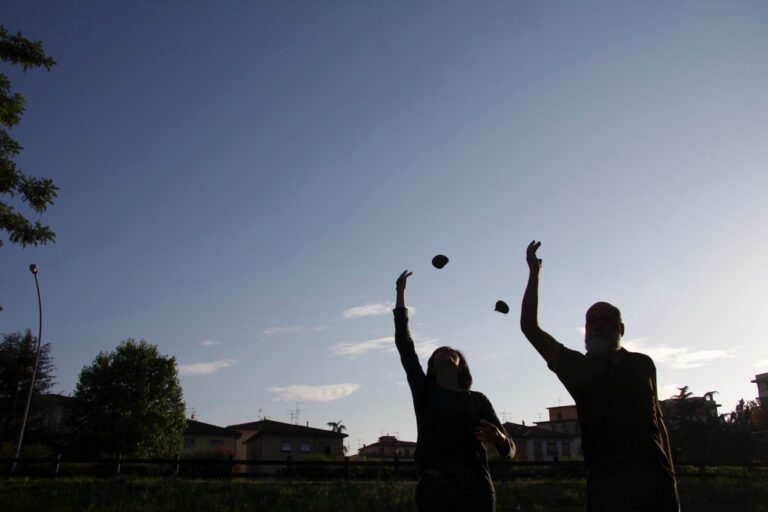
x=56, y=464
x=176, y=465
x=288, y=466
x=346, y=468
x=118, y=464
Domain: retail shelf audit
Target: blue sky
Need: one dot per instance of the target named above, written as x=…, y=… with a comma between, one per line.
x=236, y=179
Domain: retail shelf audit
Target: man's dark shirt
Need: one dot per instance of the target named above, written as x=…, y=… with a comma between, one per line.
x=445, y=419
x=620, y=418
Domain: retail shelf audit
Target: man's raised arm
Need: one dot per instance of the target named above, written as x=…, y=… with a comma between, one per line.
x=529, y=321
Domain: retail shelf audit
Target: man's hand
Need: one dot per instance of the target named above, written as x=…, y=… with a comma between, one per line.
x=401, y=281
x=487, y=432
x=543, y=342
x=534, y=262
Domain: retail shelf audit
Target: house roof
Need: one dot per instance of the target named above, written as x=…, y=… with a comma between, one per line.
x=524, y=431
x=572, y=406
x=278, y=427
x=390, y=442
x=198, y=428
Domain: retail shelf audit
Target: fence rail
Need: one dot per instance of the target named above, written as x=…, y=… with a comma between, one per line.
x=289, y=468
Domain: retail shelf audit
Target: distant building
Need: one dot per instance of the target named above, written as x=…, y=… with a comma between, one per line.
x=693, y=408
x=762, y=388
x=535, y=443
x=387, y=448
x=199, y=436
x=51, y=412
x=760, y=436
x=563, y=418
x=274, y=440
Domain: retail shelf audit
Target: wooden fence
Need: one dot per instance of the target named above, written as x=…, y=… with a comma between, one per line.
x=289, y=468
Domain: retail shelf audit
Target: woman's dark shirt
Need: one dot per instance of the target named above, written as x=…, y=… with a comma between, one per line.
x=445, y=419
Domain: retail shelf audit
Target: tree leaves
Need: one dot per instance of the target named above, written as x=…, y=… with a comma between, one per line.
x=36, y=193
x=130, y=401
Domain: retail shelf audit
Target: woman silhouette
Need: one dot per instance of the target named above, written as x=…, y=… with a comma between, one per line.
x=452, y=422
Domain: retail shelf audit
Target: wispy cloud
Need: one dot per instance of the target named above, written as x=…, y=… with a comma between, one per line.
x=292, y=329
x=195, y=369
x=678, y=358
x=210, y=343
x=424, y=347
x=372, y=310
x=326, y=393
x=353, y=350
x=273, y=331
x=668, y=390
x=761, y=364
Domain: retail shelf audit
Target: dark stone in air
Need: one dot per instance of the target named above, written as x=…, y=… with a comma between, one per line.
x=501, y=307
x=439, y=261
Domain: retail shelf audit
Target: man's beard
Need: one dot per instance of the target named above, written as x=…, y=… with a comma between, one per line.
x=602, y=344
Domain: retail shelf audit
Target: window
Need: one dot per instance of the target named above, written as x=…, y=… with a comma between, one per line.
x=537, y=454
x=189, y=444
x=216, y=442
x=559, y=415
x=305, y=447
x=285, y=446
x=327, y=450
x=565, y=448
x=552, y=448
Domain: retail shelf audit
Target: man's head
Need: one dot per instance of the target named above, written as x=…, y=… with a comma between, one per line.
x=603, y=329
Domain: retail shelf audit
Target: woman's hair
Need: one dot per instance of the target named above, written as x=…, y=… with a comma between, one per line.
x=464, y=378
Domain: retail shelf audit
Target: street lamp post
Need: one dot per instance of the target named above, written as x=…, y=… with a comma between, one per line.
x=33, y=269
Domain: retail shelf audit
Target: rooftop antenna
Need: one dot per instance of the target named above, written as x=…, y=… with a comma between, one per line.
x=295, y=414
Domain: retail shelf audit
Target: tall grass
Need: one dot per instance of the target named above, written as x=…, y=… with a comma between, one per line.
x=712, y=494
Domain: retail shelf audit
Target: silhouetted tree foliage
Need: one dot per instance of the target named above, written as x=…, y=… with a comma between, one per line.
x=337, y=426
x=698, y=438
x=36, y=193
x=129, y=401
x=17, y=358
x=688, y=433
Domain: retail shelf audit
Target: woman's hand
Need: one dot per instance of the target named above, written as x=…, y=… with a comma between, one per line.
x=534, y=262
x=400, y=284
x=400, y=287
x=487, y=432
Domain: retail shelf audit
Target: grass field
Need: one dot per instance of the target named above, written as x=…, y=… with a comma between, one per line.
x=713, y=494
